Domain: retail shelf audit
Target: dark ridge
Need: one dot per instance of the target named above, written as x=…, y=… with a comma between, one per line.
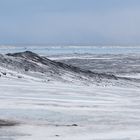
x=86, y=72
x=28, y=55
x=23, y=54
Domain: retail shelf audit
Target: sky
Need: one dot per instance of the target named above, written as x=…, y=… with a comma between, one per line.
x=70, y=22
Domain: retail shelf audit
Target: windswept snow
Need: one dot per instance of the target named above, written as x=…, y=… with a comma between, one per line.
x=66, y=111
x=44, y=99
x=38, y=67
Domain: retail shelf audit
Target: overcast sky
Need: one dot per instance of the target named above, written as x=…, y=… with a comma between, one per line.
x=70, y=22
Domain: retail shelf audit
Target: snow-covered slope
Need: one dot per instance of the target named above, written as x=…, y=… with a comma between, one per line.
x=43, y=99
x=28, y=65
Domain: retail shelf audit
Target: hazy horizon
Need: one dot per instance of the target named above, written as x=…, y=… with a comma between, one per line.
x=36, y=44
x=63, y=22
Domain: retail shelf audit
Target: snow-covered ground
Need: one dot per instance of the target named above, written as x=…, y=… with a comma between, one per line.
x=136, y=76
x=117, y=64
x=59, y=110
x=66, y=111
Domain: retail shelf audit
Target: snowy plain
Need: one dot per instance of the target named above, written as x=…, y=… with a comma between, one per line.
x=57, y=110
x=66, y=111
